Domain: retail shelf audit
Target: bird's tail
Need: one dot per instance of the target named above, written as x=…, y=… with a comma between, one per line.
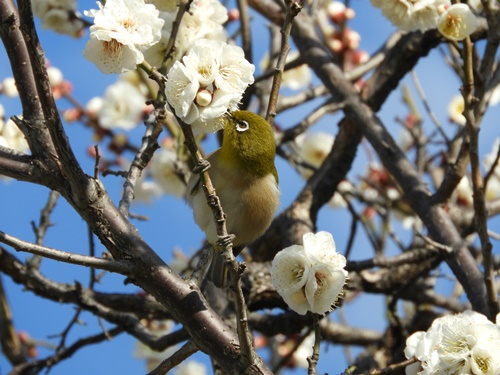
x=218, y=272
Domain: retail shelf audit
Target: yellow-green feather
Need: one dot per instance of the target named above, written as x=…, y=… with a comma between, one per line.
x=253, y=150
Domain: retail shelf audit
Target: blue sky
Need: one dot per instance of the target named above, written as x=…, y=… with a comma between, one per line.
x=170, y=221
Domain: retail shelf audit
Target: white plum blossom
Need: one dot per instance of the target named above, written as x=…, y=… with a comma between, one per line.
x=165, y=5
x=463, y=192
x=139, y=79
x=411, y=15
x=466, y=343
x=204, y=20
x=299, y=355
x=494, y=96
x=122, y=30
x=163, y=171
x=9, y=88
x=493, y=188
x=208, y=82
x=456, y=110
x=146, y=190
x=338, y=200
x=59, y=15
x=12, y=137
x=310, y=277
x=154, y=358
x=191, y=368
x=295, y=78
x=94, y=106
x=457, y=22
x=490, y=158
x=122, y=106
x=313, y=148
x=55, y=75
x=290, y=272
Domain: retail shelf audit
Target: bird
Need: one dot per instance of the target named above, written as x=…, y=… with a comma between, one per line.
x=245, y=179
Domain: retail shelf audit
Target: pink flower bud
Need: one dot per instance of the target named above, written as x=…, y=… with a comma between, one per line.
x=233, y=14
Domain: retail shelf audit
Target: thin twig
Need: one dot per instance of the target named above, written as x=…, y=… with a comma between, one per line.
x=391, y=368
x=183, y=8
x=65, y=332
x=292, y=9
x=64, y=354
x=142, y=158
x=97, y=160
x=314, y=358
x=427, y=106
x=481, y=215
x=118, y=266
x=187, y=350
x=43, y=225
x=242, y=319
x=285, y=359
x=9, y=339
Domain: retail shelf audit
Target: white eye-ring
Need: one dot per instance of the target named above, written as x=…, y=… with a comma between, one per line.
x=242, y=126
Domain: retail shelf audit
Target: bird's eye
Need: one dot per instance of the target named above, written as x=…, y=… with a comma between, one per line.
x=242, y=126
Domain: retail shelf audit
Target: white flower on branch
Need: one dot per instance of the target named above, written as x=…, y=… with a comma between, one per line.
x=456, y=344
x=143, y=352
x=310, y=277
x=122, y=106
x=165, y=5
x=290, y=271
x=59, y=15
x=456, y=110
x=122, y=30
x=191, y=368
x=313, y=148
x=490, y=158
x=209, y=81
x=164, y=172
x=9, y=88
x=204, y=20
x=411, y=15
x=295, y=78
x=12, y=137
x=457, y=22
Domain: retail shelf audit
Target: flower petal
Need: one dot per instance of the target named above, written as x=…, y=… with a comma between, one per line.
x=323, y=286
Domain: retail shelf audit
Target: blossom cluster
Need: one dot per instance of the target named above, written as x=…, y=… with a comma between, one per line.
x=59, y=15
x=208, y=81
x=454, y=21
x=122, y=30
x=206, y=76
x=466, y=343
x=10, y=135
x=310, y=277
x=204, y=20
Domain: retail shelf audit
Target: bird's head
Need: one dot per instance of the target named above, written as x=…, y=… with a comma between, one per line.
x=248, y=143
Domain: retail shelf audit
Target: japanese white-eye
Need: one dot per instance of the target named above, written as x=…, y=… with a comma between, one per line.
x=244, y=176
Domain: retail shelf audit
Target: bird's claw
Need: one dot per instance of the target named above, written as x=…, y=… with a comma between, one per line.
x=225, y=241
x=202, y=166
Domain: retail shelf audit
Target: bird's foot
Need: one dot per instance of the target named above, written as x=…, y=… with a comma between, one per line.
x=202, y=166
x=225, y=241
